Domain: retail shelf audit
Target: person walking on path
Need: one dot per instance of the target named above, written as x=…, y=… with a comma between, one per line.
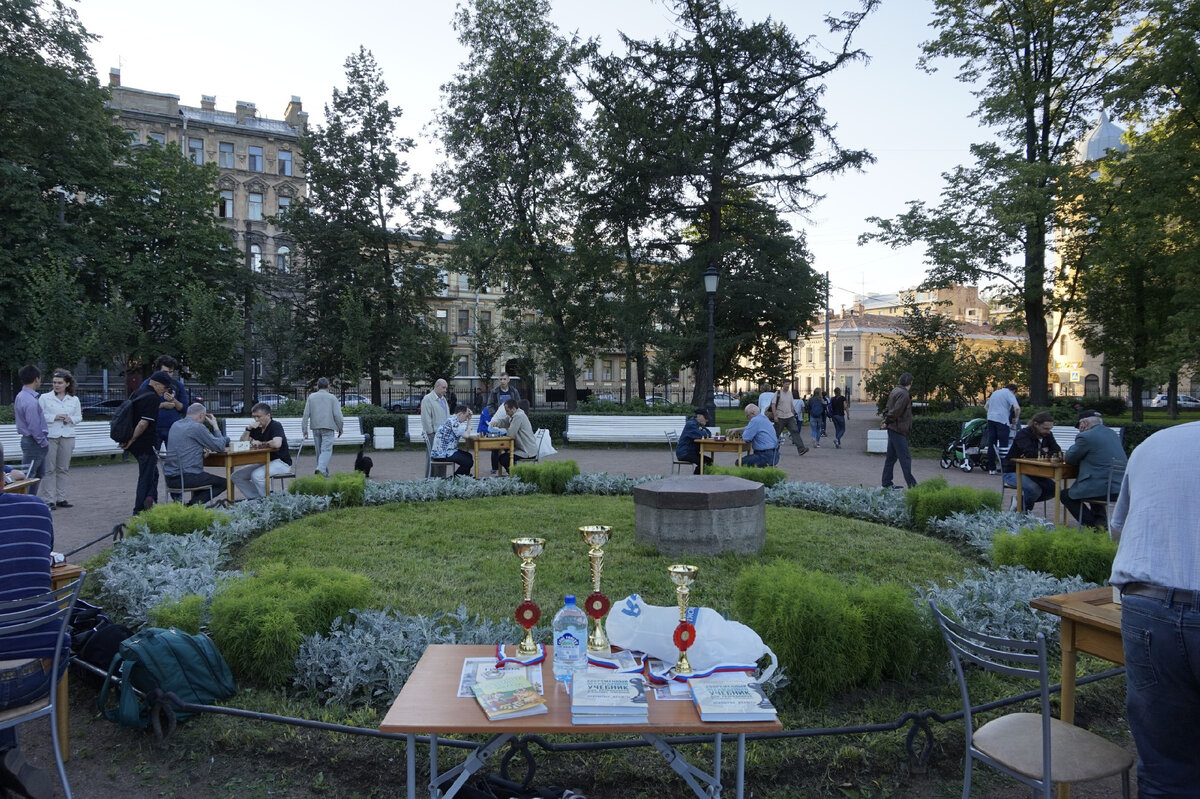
x=897, y=420
x=323, y=413
x=61, y=410
x=816, y=415
x=1003, y=411
x=839, y=412
x=31, y=426
x=783, y=410
x=1157, y=568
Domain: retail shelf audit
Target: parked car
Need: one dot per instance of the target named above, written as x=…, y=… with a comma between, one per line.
x=274, y=400
x=355, y=399
x=1185, y=401
x=724, y=400
x=101, y=410
x=405, y=405
x=606, y=398
x=656, y=400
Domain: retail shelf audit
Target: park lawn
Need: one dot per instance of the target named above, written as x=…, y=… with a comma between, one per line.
x=429, y=558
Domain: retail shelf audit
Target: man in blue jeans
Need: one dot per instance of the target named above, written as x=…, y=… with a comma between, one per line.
x=1157, y=568
x=759, y=432
x=897, y=420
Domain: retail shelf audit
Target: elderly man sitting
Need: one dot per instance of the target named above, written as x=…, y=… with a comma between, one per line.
x=760, y=434
x=1097, y=451
x=445, y=441
x=688, y=448
x=192, y=436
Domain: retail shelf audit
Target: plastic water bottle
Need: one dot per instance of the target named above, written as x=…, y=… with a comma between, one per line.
x=570, y=640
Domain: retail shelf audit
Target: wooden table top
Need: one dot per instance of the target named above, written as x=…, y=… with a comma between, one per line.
x=428, y=704
x=1094, y=606
x=237, y=458
x=21, y=486
x=728, y=445
x=1036, y=468
x=490, y=442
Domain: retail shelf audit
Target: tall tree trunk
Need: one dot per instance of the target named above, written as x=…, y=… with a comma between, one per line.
x=1035, y=314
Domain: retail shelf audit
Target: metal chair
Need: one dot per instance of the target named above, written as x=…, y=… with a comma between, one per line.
x=672, y=444
x=282, y=478
x=538, y=438
x=444, y=468
x=18, y=618
x=1116, y=475
x=177, y=488
x=1035, y=748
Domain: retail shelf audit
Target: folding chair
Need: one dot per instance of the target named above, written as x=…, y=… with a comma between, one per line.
x=1116, y=475
x=1035, y=748
x=282, y=478
x=672, y=444
x=18, y=617
x=444, y=468
x=177, y=486
x=538, y=438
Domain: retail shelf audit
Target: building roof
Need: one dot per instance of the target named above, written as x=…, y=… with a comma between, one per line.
x=230, y=119
x=890, y=325
x=1103, y=137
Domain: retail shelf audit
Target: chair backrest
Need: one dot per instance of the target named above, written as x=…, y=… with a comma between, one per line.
x=52, y=609
x=1012, y=657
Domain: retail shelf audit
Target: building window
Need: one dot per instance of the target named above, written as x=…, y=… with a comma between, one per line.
x=442, y=321
x=256, y=205
x=464, y=320
x=284, y=204
x=134, y=136
x=283, y=259
x=225, y=206
x=607, y=370
x=464, y=366
x=226, y=155
x=809, y=357
x=255, y=258
x=256, y=159
x=196, y=151
x=589, y=373
x=158, y=137
x=285, y=163
x=848, y=353
x=1062, y=344
x=485, y=318
x=464, y=282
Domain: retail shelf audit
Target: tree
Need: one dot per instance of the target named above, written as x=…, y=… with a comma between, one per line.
x=512, y=130
x=364, y=285
x=726, y=114
x=488, y=349
x=57, y=148
x=1041, y=70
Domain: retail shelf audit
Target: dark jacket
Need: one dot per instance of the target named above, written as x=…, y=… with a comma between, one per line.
x=687, y=447
x=1094, y=452
x=897, y=413
x=1025, y=444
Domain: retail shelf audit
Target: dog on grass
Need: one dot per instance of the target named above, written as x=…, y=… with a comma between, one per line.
x=363, y=463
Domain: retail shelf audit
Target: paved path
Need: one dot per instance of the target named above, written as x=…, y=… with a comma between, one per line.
x=102, y=493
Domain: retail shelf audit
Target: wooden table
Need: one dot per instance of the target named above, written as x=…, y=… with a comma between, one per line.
x=1059, y=472
x=1091, y=623
x=727, y=445
x=232, y=460
x=489, y=443
x=21, y=486
x=428, y=704
x=61, y=574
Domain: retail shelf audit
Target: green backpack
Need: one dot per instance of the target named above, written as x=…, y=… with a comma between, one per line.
x=155, y=662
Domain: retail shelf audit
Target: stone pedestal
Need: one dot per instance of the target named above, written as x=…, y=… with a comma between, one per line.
x=701, y=515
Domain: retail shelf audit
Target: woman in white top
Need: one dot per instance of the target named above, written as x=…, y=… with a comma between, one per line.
x=61, y=409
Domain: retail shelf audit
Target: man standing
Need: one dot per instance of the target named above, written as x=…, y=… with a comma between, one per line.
x=144, y=443
x=31, y=425
x=502, y=393
x=191, y=437
x=323, y=413
x=26, y=538
x=760, y=434
x=434, y=409
x=171, y=410
x=1003, y=411
x=839, y=411
x=783, y=409
x=688, y=448
x=1033, y=441
x=1097, y=451
x=263, y=433
x=445, y=441
x=897, y=420
x=1157, y=568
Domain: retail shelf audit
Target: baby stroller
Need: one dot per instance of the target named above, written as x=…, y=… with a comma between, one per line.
x=968, y=450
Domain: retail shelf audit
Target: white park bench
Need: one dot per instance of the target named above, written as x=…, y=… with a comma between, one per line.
x=622, y=429
x=91, y=438
x=352, y=434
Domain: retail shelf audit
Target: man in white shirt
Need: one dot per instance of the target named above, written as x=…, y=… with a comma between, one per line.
x=1003, y=411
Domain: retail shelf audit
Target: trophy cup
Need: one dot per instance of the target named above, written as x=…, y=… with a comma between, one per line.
x=685, y=633
x=528, y=612
x=596, y=606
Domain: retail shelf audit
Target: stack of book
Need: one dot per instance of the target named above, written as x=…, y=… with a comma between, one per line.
x=731, y=699
x=608, y=698
x=509, y=696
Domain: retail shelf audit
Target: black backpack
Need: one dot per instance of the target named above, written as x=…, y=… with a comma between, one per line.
x=120, y=429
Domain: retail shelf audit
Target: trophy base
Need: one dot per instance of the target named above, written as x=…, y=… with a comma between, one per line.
x=503, y=658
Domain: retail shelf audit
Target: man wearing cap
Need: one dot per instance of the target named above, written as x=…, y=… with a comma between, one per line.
x=694, y=429
x=144, y=444
x=1097, y=451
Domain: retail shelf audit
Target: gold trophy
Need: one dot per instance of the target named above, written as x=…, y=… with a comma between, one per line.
x=528, y=612
x=685, y=633
x=596, y=606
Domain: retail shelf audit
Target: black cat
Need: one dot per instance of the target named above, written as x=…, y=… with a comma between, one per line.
x=363, y=463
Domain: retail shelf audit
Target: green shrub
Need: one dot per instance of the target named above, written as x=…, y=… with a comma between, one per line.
x=285, y=409
x=172, y=518
x=188, y=613
x=554, y=421
x=1062, y=551
x=1137, y=432
x=259, y=621
x=935, y=499
x=346, y=488
x=550, y=477
x=935, y=431
x=769, y=475
x=831, y=637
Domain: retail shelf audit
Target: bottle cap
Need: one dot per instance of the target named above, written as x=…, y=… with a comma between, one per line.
x=569, y=599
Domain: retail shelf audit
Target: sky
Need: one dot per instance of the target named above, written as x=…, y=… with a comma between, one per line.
x=917, y=125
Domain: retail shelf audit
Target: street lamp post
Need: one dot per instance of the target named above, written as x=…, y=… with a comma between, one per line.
x=711, y=276
x=793, y=334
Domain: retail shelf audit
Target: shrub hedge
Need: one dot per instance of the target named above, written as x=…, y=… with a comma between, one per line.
x=769, y=475
x=258, y=622
x=554, y=421
x=550, y=477
x=172, y=518
x=935, y=499
x=344, y=488
x=1062, y=552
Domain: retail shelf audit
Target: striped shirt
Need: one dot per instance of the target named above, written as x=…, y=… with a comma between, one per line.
x=26, y=537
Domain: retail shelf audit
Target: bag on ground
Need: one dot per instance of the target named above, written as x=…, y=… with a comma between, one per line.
x=156, y=661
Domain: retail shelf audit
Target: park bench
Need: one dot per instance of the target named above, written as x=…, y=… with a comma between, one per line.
x=352, y=434
x=91, y=438
x=621, y=429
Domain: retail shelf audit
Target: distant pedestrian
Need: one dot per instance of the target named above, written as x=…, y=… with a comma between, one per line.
x=323, y=413
x=783, y=409
x=897, y=420
x=816, y=416
x=839, y=412
x=60, y=408
x=1003, y=411
x=31, y=426
x=171, y=410
x=502, y=393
